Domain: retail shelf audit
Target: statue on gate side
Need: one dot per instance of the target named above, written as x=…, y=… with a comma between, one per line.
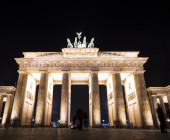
x=69, y=45
x=91, y=44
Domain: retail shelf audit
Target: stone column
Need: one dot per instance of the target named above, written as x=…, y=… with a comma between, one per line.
x=69, y=101
x=168, y=97
x=7, y=110
x=95, y=100
x=153, y=104
x=19, y=99
x=162, y=104
x=120, y=115
x=41, y=101
x=90, y=103
x=1, y=104
x=49, y=101
x=143, y=101
x=64, y=108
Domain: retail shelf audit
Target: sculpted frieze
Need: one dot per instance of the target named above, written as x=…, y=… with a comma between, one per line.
x=83, y=64
x=80, y=54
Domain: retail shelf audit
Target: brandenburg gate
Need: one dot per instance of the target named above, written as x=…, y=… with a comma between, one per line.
x=82, y=64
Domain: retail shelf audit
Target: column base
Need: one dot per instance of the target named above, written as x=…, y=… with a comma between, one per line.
x=39, y=125
x=118, y=124
x=149, y=127
x=63, y=126
x=34, y=126
x=15, y=123
x=97, y=126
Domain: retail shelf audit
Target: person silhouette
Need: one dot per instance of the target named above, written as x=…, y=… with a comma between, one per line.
x=161, y=118
x=80, y=115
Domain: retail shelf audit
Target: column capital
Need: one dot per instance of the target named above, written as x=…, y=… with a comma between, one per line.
x=115, y=72
x=138, y=72
x=22, y=72
x=65, y=71
x=10, y=94
x=94, y=71
x=43, y=71
x=160, y=97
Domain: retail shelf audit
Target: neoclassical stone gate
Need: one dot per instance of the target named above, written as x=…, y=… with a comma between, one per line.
x=159, y=95
x=77, y=64
x=86, y=66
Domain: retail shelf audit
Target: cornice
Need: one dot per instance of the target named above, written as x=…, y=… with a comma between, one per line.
x=116, y=61
x=7, y=89
x=158, y=90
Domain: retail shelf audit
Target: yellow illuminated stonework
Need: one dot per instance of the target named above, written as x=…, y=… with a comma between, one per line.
x=82, y=66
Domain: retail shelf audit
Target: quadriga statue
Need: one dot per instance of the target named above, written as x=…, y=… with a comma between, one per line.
x=91, y=44
x=69, y=45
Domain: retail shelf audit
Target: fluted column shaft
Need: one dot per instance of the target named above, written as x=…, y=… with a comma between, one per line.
x=168, y=97
x=153, y=104
x=64, y=108
x=1, y=104
x=143, y=101
x=95, y=100
x=162, y=104
x=120, y=115
x=18, y=99
x=41, y=101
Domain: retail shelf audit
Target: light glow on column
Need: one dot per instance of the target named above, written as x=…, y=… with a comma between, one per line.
x=165, y=99
x=97, y=117
x=63, y=118
x=4, y=99
x=110, y=85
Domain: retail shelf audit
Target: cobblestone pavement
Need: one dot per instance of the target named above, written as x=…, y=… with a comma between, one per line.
x=85, y=134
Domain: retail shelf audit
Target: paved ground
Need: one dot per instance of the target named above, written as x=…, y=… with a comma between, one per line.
x=85, y=134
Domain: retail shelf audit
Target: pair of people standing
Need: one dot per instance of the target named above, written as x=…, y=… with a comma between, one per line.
x=80, y=119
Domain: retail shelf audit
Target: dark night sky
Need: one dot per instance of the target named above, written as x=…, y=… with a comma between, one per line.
x=118, y=26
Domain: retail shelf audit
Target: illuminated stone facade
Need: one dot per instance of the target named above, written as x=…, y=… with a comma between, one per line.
x=82, y=66
x=6, y=101
x=159, y=95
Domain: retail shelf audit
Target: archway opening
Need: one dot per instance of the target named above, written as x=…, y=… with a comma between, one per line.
x=79, y=99
x=56, y=104
x=103, y=104
x=125, y=103
x=35, y=105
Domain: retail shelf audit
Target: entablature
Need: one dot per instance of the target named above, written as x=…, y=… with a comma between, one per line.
x=86, y=65
x=81, y=59
x=56, y=62
x=158, y=90
x=4, y=90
